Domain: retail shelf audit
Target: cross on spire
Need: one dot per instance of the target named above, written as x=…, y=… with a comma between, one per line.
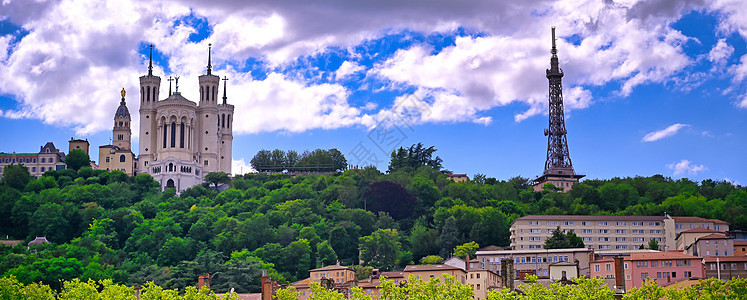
x=150, y=63
x=225, y=83
x=170, y=80
x=176, y=79
x=210, y=65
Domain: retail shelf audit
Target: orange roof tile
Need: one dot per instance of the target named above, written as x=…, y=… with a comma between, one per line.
x=714, y=236
x=700, y=230
x=418, y=268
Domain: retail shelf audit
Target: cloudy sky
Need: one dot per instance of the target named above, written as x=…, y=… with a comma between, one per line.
x=654, y=87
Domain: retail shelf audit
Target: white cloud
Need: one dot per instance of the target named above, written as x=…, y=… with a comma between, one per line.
x=685, y=167
x=666, y=132
x=79, y=53
x=743, y=103
x=348, y=68
x=483, y=121
x=720, y=52
x=239, y=167
x=740, y=70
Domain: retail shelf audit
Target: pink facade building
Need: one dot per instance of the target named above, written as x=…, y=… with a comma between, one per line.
x=664, y=267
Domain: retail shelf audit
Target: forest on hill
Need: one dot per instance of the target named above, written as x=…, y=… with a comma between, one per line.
x=107, y=225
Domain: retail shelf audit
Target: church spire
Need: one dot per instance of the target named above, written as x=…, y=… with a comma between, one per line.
x=210, y=66
x=150, y=63
x=225, y=83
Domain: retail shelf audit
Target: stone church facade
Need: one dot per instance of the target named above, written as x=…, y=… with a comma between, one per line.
x=180, y=140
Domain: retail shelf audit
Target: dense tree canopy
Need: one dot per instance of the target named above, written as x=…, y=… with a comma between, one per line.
x=107, y=225
x=77, y=159
x=414, y=157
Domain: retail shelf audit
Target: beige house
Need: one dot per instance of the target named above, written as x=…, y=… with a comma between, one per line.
x=457, y=177
x=426, y=272
x=563, y=270
x=341, y=276
x=483, y=281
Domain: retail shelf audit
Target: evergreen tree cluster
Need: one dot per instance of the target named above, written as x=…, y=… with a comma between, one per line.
x=319, y=160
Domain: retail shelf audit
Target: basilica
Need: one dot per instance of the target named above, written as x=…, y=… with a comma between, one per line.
x=180, y=140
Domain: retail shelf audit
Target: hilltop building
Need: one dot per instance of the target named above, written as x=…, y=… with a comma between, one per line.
x=48, y=158
x=181, y=141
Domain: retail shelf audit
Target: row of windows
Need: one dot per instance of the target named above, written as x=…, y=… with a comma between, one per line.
x=599, y=223
x=708, y=253
x=724, y=265
x=28, y=160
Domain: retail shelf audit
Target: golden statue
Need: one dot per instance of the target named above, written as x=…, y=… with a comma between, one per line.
x=123, y=93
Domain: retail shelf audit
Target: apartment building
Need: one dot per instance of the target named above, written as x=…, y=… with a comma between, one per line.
x=608, y=232
x=714, y=244
x=664, y=267
x=726, y=268
x=534, y=261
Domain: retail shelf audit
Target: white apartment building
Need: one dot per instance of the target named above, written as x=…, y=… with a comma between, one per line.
x=620, y=233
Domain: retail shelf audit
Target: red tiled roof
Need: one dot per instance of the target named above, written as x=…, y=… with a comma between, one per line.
x=590, y=218
x=393, y=274
x=697, y=220
x=331, y=268
x=740, y=243
x=700, y=230
x=714, y=236
x=603, y=260
x=726, y=258
x=417, y=268
x=660, y=255
x=456, y=175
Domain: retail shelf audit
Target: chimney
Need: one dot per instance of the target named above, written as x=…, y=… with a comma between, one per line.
x=619, y=274
x=203, y=281
x=507, y=273
x=266, y=286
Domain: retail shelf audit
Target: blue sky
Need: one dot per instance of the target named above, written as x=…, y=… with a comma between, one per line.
x=652, y=87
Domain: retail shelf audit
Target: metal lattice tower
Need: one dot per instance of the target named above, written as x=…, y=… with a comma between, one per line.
x=558, y=166
x=557, y=145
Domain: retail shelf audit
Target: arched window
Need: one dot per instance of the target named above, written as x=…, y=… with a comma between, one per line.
x=142, y=95
x=229, y=121
x=148, y=95
x=213, y=93
x=154, y=94
x=171, y=167
x=173, y=134
x=122, y=158
x=170, y=184
x=223, y=122
x=202, y=93
x=165, y=130
x=181, y=135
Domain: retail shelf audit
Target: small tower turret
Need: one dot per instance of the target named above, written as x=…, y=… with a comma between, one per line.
x=121, y=133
